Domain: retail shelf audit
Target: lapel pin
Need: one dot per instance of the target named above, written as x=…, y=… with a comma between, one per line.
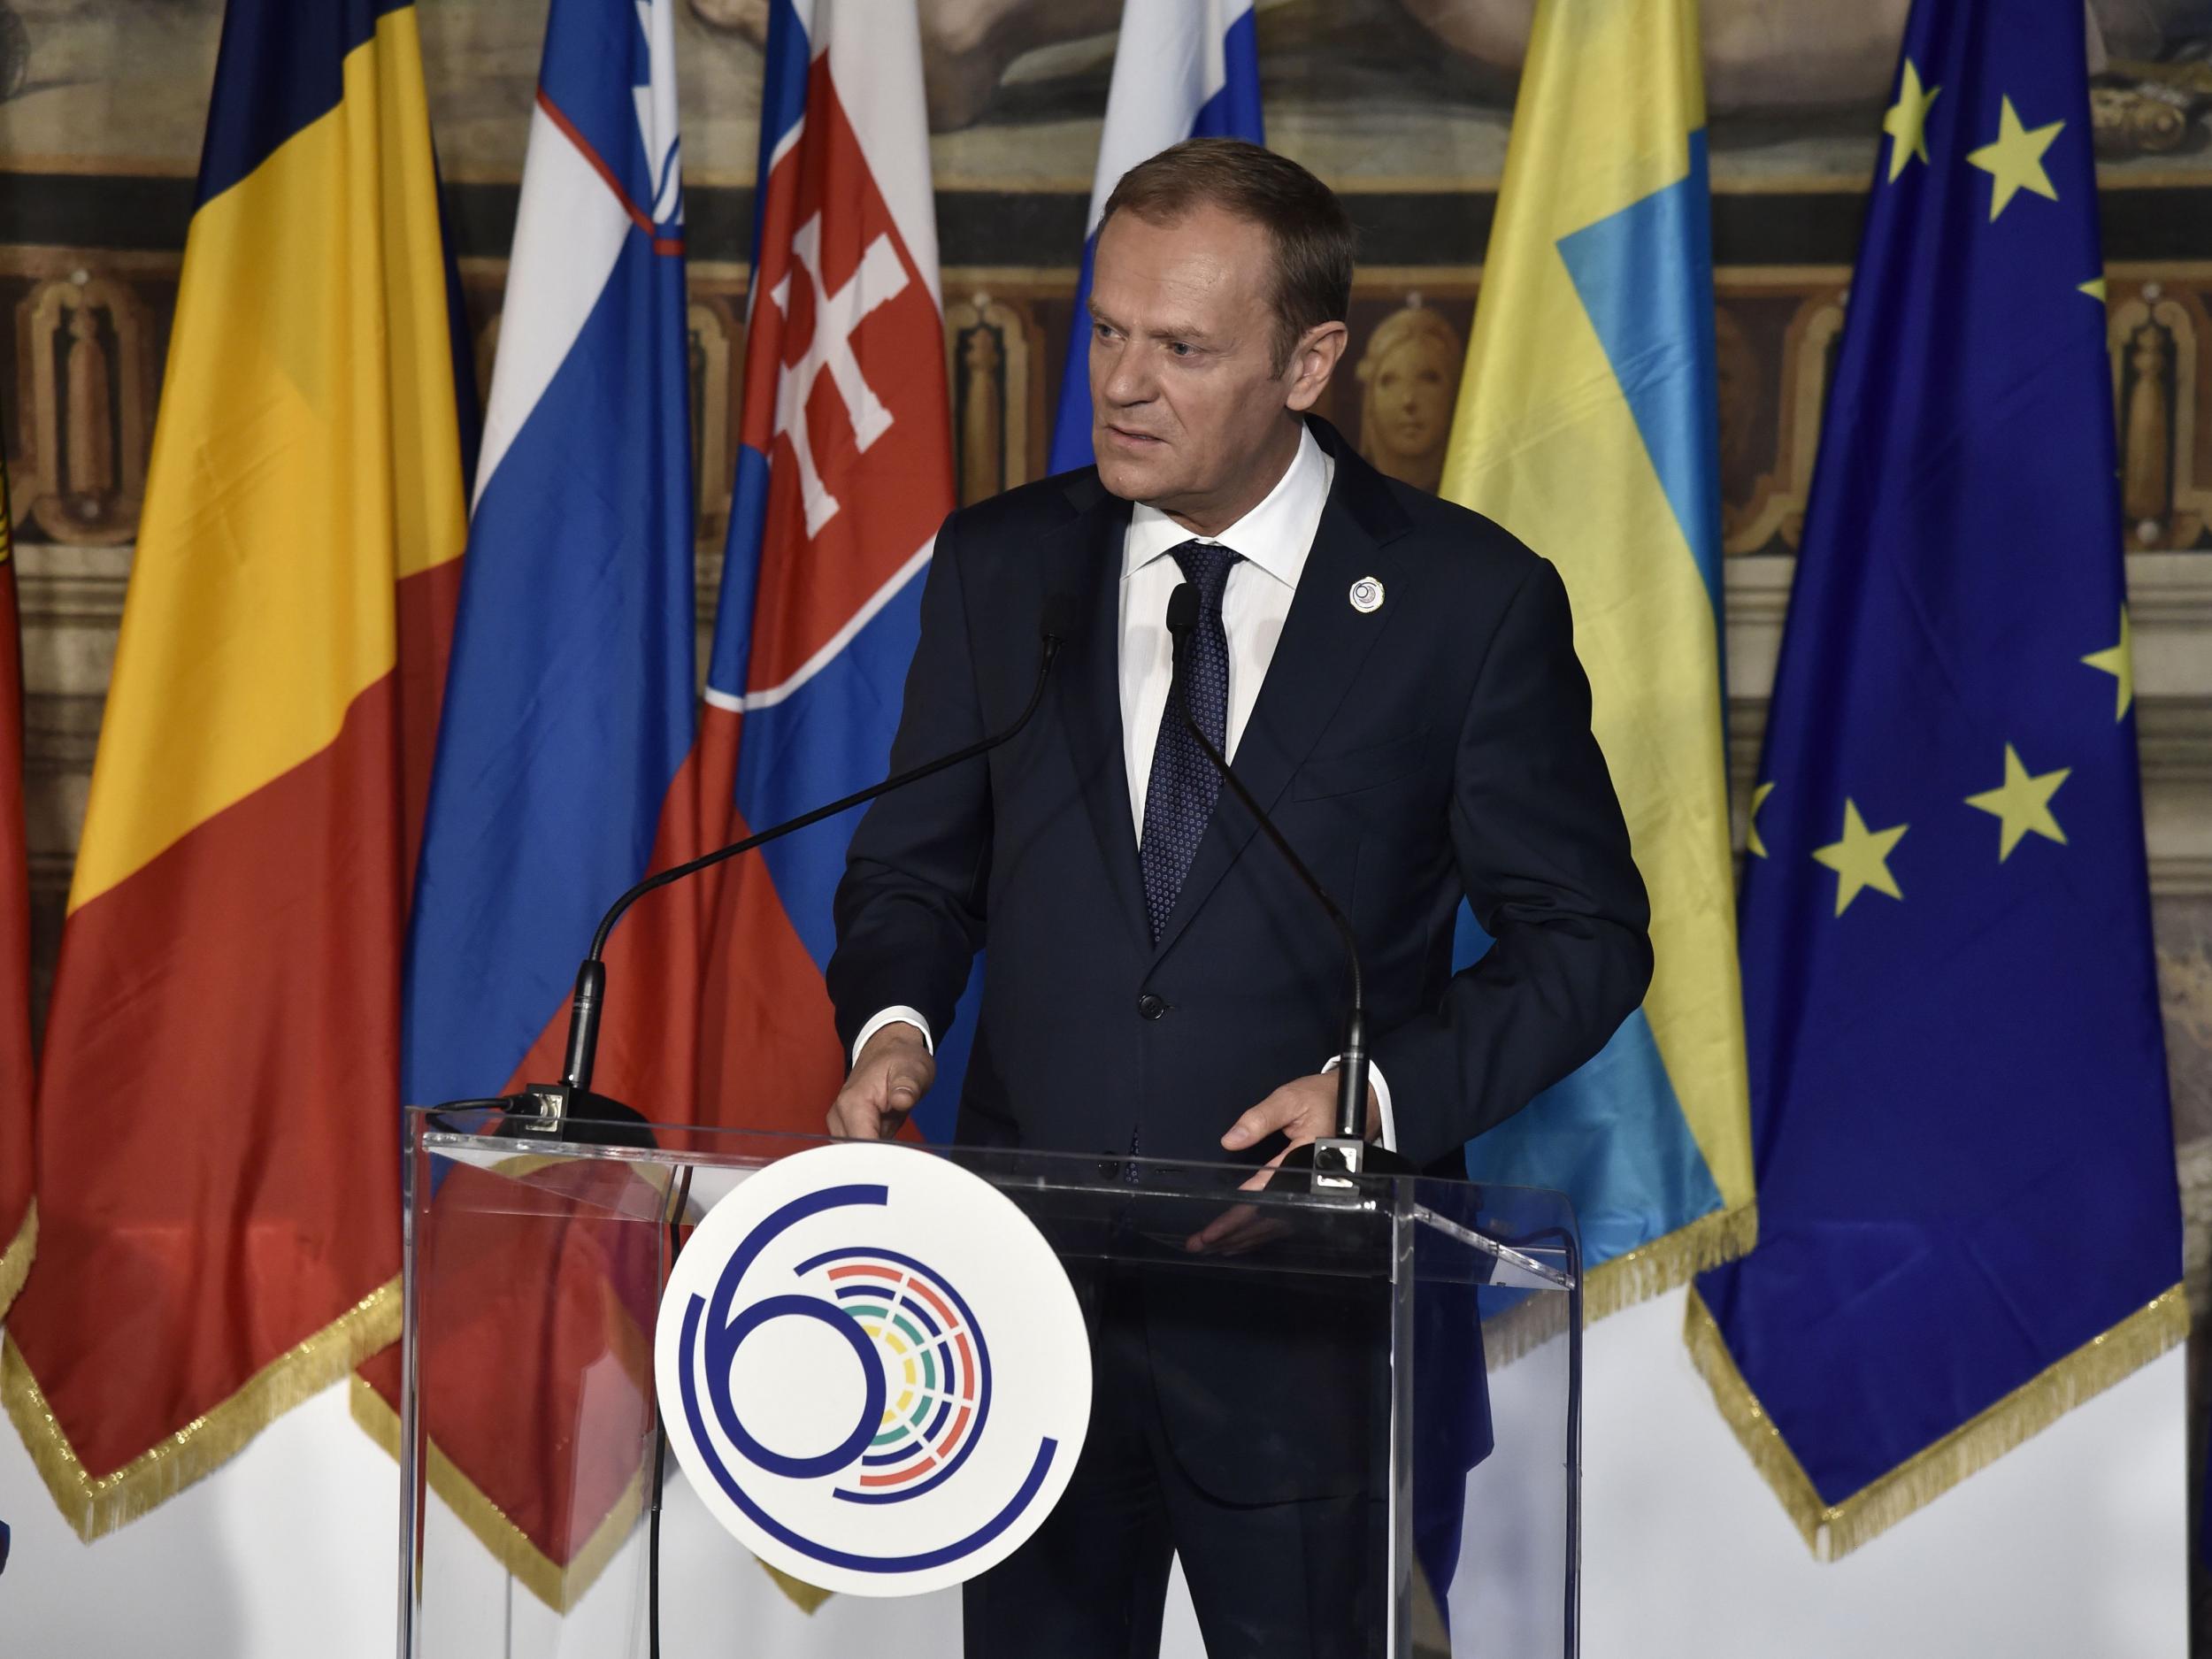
x=1367, y=595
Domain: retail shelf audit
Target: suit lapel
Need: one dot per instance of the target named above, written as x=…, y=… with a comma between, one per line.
x=1094, y=681
x=1325, y=643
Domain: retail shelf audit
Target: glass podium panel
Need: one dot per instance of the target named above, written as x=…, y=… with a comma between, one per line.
x=1390, y=1346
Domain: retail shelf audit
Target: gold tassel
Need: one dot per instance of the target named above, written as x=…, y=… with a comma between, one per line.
x=15, y=1261
x=1833, y=1531
x=97, y=1507
x=806, y=1597
x=557, y=1587
x=1707, y=1242
x=1649, y=1270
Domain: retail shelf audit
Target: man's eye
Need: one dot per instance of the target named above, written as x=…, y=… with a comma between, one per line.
x=1100, y=331
x=1179, y=348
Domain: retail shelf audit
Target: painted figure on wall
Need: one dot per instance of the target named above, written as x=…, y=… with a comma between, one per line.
x=1381, y=89
x=1766, y=57
x=1408, y=377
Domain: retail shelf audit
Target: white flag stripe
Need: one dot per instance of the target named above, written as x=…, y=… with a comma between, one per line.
x=876, y=64
x=837, y=641
x=569, y=231
x=1167, y=63
x=656, y=120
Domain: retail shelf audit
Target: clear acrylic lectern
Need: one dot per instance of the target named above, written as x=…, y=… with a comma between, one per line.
x=523, y=1396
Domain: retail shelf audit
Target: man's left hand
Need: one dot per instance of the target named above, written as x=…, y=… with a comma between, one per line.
x=1303, y=1109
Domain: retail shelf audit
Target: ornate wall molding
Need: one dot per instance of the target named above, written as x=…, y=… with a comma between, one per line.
x=2170, y=601
x=73, y=599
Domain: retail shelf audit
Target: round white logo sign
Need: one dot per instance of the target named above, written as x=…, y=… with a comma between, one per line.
x=873, y=1369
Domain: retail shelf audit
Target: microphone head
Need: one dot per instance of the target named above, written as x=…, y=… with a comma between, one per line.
x=1182, y=608
x=1058, y=623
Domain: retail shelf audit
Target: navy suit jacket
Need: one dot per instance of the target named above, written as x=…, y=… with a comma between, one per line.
x=1436, y=748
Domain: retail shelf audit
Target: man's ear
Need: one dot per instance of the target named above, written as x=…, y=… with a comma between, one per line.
x=1312, y=364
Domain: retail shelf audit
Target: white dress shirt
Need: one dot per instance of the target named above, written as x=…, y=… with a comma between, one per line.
x=1272, y=539
x=1273, y=542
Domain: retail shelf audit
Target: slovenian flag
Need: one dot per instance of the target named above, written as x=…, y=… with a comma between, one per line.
x=570, y=705
x=1182, y=69
x=844, y=472
x=565, y=771
x=219, y=1184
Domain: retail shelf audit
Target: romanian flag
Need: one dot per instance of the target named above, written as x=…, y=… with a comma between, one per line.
x=1588, y=426
x=1969, y=1215
x=19, y=1211
x=220, y=1178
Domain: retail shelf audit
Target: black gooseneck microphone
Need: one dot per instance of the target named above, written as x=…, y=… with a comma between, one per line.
x=1346, y=1152
x=569, y=1109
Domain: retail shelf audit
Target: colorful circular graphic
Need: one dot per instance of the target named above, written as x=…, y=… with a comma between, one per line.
x=873, y=1368
x=935, y=1365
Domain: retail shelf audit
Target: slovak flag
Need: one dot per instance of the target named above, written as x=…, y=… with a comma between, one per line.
x=564, y=756
x=844, y=472
x=1182, y=69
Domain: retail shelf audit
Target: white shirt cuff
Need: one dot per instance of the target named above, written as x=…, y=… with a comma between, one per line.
x=1381, y=1086
x=903, y=1015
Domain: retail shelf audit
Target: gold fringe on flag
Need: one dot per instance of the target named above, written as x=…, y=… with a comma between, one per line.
x=1832, y=1531
x=95, y=1506
x=1709, y=1241
x=557, y=1587
x=15, y=1261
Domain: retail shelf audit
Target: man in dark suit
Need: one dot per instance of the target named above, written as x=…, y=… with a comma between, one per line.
x=1394, y=678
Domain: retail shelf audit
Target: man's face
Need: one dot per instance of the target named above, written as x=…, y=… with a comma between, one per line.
x=1188, y=412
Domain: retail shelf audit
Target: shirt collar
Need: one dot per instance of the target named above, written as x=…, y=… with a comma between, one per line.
x=1276, y=535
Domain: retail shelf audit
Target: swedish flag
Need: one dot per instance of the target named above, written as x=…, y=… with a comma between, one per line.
x=1969, y=1219
x=1588, y=426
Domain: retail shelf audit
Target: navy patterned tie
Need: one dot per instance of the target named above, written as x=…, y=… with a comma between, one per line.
x=1180, y=797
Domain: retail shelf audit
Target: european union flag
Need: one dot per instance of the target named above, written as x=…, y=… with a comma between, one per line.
x=1969, y=1215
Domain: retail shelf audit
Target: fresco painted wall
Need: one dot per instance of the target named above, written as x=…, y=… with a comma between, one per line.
x=1404, y=104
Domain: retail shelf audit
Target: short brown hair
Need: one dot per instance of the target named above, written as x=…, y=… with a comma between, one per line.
x=1311, y=231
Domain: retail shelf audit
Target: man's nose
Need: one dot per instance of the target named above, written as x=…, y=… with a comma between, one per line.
x=1122, y=381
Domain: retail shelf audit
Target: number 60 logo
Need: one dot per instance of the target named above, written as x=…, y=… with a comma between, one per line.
x=873, y=1369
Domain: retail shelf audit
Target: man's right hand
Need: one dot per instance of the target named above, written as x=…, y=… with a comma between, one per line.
x=889, y=1081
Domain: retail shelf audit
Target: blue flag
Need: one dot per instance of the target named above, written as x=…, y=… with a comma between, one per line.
x=1182, y=69
x=569, y=705
x=1969, y=1215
